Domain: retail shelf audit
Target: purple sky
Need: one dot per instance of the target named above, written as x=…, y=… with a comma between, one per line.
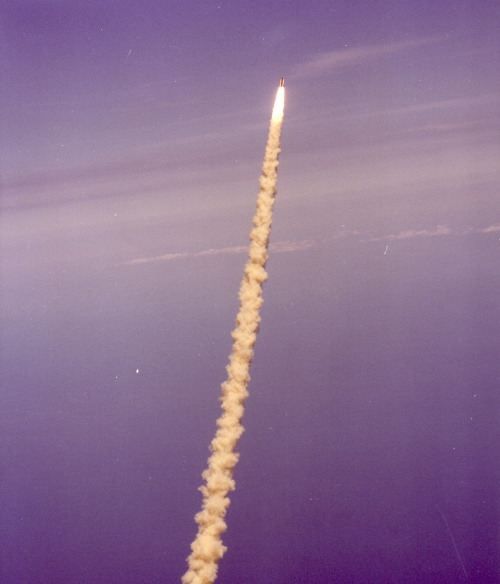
x=131, y=144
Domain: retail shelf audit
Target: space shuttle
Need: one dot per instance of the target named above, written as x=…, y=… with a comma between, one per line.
x=282, y=82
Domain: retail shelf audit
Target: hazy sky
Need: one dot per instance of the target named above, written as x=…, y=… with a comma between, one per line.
x=132, y=136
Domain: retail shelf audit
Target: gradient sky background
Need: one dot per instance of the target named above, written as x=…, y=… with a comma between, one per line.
x=136, y=131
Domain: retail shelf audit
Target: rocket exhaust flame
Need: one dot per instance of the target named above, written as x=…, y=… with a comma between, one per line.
x=207, y=548
x=279, y=103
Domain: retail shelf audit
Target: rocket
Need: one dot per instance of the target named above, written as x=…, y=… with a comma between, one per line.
x=282, y=82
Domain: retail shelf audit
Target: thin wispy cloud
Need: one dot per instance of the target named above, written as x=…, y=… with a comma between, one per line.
x=481, y=103
x=446, y=104
x=277, y=247
x=347, y=233
x=410, y=234
x=490, y=229
x=290, y=246
x=348, y=57
x=439, y=231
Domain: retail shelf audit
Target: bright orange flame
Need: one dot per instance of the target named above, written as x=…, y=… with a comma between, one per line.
x=279, y=103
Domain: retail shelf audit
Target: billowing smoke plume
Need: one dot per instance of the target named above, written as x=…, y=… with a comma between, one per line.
x=207, y=548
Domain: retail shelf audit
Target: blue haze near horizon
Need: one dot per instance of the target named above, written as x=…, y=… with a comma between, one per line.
x=131, y=150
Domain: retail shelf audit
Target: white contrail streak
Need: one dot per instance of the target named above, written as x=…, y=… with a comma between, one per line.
x=207, y=548
x=454, y=544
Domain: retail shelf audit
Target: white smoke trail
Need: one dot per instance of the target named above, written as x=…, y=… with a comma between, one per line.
x=207, y=548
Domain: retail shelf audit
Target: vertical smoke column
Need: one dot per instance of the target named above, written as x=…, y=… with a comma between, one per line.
x=207, y=548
